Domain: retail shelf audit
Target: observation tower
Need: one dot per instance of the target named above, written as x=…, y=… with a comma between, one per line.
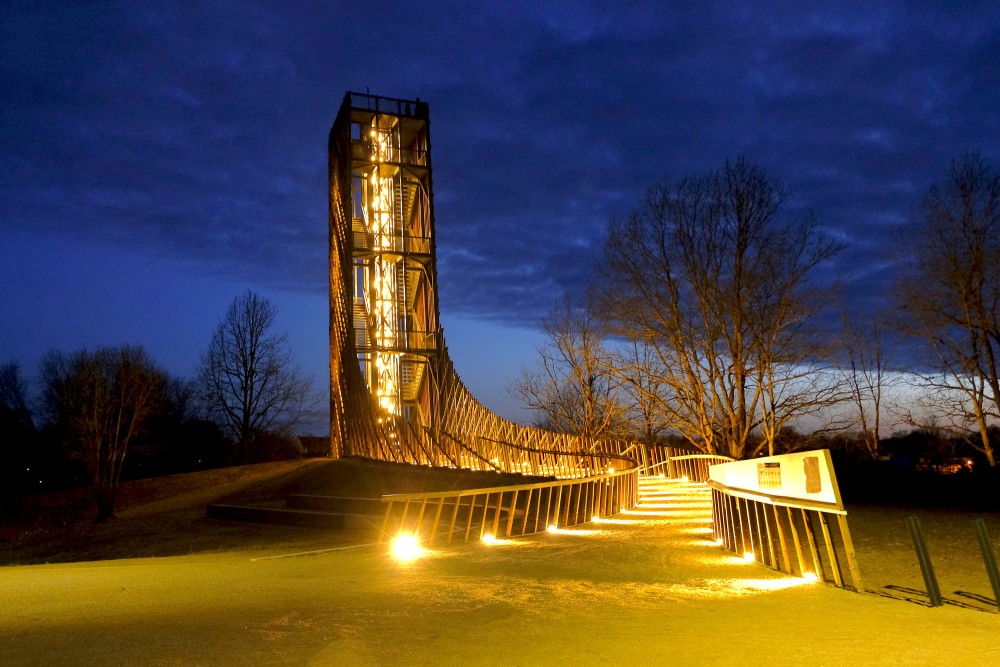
x=382, y=259
x=394, y=393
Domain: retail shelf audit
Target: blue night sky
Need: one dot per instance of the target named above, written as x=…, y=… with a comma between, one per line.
x=158, y=158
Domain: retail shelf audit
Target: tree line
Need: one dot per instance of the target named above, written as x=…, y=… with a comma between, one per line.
x=101, y=416
x=709, y=324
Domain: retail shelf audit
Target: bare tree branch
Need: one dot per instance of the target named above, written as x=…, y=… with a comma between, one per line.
x=247, y=379
x=952, y=297
x=572, y=388
x=704, y=273
x=14, y=410
x=100, y=401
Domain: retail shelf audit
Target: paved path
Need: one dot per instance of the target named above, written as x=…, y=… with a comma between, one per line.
x=647, y=587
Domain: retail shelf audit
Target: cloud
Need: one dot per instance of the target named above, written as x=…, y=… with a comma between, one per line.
x=198, y=131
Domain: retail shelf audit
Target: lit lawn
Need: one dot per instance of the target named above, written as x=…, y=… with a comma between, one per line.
x=646, y=589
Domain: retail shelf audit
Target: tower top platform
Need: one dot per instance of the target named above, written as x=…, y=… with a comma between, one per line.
x=388, y=105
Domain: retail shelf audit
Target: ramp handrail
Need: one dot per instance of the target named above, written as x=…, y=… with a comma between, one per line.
x=525, y=508
x=747, y=495
x=693, y=467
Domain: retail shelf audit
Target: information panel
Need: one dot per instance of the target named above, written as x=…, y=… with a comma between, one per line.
x=802, y=476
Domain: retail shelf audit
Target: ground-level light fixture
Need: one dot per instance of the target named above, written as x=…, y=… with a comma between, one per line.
x=406, y=547
x=489, y=538
x=749, y=557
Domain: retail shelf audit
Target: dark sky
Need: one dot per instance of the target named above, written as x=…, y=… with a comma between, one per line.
x=157, y=158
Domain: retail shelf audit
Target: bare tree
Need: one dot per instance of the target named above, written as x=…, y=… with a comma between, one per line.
x=706, y=274
x=15, y=415
x=637, y=368
x=867, y=377
x=572, y=388
x=791, y=391
x=99, y=402
x=952, y=297
x=18, y=437
x=248, y=381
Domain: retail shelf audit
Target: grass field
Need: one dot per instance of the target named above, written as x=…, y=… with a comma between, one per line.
x=165, y=516
x=649, y=591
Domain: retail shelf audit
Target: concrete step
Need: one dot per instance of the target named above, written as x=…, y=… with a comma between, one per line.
x=336, y=504
x=275, y=515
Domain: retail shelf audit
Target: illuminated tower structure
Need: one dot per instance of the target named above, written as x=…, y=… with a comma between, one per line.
x=394, y=393
x=380, y=177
